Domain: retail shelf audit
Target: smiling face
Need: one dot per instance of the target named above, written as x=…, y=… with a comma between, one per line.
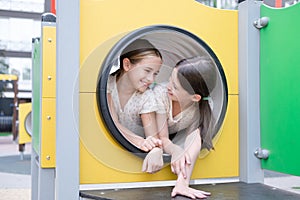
x=176, y=92
x=143, y=73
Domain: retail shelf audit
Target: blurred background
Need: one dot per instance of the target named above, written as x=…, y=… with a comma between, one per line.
x=20, y=22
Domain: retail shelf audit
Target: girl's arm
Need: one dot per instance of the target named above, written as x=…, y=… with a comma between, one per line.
x=153, y=162
x=136, y=140
x=163, y=133
x=150, y=129
x=179, y=157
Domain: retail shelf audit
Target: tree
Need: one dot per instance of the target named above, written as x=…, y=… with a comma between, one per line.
x=3, y=65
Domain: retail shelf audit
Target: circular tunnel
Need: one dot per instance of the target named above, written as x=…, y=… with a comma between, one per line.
x=6, y=123
x=174, y=44
x=28, y=123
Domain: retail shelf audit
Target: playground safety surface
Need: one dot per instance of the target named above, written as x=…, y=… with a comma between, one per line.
x=224, y=191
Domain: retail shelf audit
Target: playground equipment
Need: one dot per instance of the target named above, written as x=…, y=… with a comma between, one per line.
x=12, y=111
x=177, y=38
x=81, y=128
x=8, y=115
x=43, y=110
x=279, y=73
x=25, y=108
x=25, y=126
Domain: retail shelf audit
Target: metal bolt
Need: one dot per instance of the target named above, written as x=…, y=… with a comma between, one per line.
x=49, y=78
x=49, y=40
x=262, y=153
x=48, y=157
x=261, y=22
x=48, y=117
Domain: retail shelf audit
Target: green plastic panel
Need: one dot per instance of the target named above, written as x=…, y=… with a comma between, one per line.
x=36, y=88
x=280, y=89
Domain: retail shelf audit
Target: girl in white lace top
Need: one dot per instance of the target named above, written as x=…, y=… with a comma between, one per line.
x=184, y=120
x=131, y=102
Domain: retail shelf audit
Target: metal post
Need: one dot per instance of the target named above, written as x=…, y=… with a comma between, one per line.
x=249, y=98
x=34, y=174
x=67, y=103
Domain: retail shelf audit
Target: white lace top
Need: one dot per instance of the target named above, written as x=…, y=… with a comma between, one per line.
x=182, y=120
x=139, y=103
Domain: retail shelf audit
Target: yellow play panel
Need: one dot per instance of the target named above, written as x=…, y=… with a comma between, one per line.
x=25, y=125
x=102, y=158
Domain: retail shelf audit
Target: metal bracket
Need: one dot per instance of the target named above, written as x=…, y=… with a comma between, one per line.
x=261, y=22
x=262, y=153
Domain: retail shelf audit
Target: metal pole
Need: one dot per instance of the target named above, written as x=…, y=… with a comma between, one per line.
x=67, y=103
x=249, y=98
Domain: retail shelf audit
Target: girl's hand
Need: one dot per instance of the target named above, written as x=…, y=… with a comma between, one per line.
x=184, y=190
x=179, y=161
x=153, y=161
x=149, y=143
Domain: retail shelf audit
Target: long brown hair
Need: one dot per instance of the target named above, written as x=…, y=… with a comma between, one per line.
x=135, y=52
x=197, y=75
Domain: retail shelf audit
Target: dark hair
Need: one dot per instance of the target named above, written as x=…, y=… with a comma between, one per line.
x=135, y=52
x=197, y=75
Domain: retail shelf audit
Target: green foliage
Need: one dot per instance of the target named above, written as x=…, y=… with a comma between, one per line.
x=3, y=65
